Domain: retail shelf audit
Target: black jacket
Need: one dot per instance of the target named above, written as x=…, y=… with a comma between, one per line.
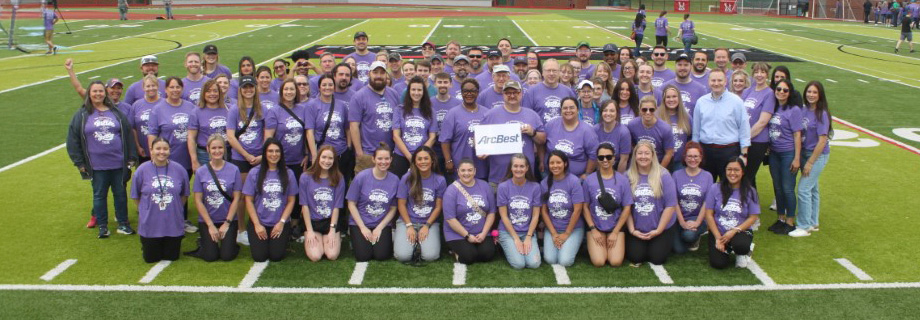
x=76, y=141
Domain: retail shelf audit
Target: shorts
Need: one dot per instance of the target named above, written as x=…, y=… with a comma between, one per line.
x=907, y=36
x=322, y=226
x=243, y=165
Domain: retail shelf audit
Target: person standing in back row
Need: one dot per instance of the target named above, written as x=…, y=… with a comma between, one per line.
x=720, y=124
x=906, y=33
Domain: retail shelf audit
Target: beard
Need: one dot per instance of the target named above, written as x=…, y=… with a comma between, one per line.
x=462, y=73
x=378, y=84
x=343, y=84
x=475, y=65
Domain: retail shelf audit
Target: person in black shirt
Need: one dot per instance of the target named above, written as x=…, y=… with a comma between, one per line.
x=906, y=34
x=867, y=8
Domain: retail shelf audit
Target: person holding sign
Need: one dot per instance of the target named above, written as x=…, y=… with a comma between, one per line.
x=563, y=200
x=531, y=130
x=469, y=211
x=573, y=137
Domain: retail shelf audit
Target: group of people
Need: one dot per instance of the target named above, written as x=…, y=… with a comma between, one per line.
x=634, y=159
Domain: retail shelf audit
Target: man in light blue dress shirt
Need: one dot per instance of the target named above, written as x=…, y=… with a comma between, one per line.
x=720, y=124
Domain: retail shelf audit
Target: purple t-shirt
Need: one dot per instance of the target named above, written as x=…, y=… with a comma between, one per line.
x=48, y=18
x=647, y=209
x=208, y=121
x=689, y=92
x=373, y=197
x=251, y=139
x=680, y=138
x=520, y=202
x=783, y=125
x=456, y=206
x=586, y=72
x=619, y=137
x=139, y=117
x=546, y=102
x=563, y=196
x=160, y=191
x=618, y=187
x=660, y=77
x=136, y=91
x=586, y=114
x=756, y=102
x=172, y=124
x=640, y=29
x=702, y=80
x=655, y=92
x=269, y=100
x=218, y=206
x=691, y=192
x=457, y=129
x=362, y=63
x=627, y=115
x=432, y=189
x=289, y=131
x=440, y=109
x=104, y=140
x=270, y=202
x=498, y=164
x=221, y=69
x=733, y=213
x=659, y=135
x=813, y=130
x=661, y=27
x=414, y=128
x=688, y=28
x=579, y=144
x=374, y=112
x=320, y=197
x=490, y=99
x=191, y=90
x=317, y=112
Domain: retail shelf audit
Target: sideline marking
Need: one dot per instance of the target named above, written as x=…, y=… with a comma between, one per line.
x=562, y=277
x=524, y=32
x=307, y=45
x=357, y=277
x=856, y=271
x=58, y=270
x=459, y=274
x=155, y=271
x=39, y=155
x=432, y=31
x=831, y=80
x=760, y=274
x=861, y=80
x=661, y=273
x=253, y=275
x=878, y=136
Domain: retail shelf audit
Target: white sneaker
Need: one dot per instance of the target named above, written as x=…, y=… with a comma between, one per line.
x=190, y=228
x=741, y=261
x=773, y=205
x=799, y=233
x=243, y=238
x=813, y=229
x=756, y=225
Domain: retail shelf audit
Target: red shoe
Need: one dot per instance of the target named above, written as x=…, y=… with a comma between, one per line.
x=91, y=223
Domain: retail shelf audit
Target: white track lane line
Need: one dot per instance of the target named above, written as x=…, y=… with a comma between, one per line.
x=856, y=271
x=253, y=275
x=459, y=274
x=155, y=271
x=357, y=276
x=562, y=277
x=662, y=274
x=51, y=274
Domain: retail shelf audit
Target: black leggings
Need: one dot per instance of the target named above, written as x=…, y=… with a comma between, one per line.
x=162, y=248
x=274, y=249
x=756, y=154
x=295, y=214
x=655, y=250
x=211, y=251
x=365, y=251
x=470, y=253
x=400, y=165
x=661, y=41
x=740, y=244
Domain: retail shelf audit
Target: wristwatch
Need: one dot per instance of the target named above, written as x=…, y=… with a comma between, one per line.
x=467, y=236
x=591, y=228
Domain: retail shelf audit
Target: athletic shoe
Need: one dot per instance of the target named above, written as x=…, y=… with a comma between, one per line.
x=895, y=50
x=785, y=229
x=125, y=229
x=103, y=232
x=911, y=50
x=776, y=225
x=190, y=228
x=91, y=223
x=243, y=238
x=813, y=229
x=756, y=225
x=797, y=233
x=54, y=50
x=773, y=205
x=741, y=261
x=635, y=265
x=695, y=245
x=299, y=239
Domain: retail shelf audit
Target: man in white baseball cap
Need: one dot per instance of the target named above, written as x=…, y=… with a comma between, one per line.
x=491, y=94
x=149, y=64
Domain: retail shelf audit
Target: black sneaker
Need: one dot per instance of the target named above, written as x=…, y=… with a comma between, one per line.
x=125, y=229
x=785, y=229
x=103, y=232
x=776, y=225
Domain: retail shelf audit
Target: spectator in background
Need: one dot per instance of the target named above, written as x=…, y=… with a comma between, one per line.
x=687, y=33
x=638, y=29
x=49, y=18
x=123, y=10
x=906, y=33
x=867, y=9
x=168, y=4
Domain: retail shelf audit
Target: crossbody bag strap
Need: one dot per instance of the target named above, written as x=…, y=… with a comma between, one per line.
x=476, y=208
x=322, y=138
x=217, y=182
x=252, y=112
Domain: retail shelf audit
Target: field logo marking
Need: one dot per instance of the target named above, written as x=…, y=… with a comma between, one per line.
x=253, y=275
x=856, y=271
x=562, y=277
x=155, y=271
x=357, y=276
x=459, y=274
x=51, y=274
x=662, y=274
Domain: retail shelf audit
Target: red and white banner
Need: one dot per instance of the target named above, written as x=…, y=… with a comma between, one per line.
x=682, y=5
x=728, y=6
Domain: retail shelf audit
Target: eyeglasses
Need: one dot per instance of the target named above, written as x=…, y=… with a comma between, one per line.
x=647, y=110
x=302, y=64
x=302, y=84
x=475, y=56
x=605, y=158
x=628, y=68
x=512, y=93
x=660, y=54
x=468, y=91
x=279, y=67
x=782, y=89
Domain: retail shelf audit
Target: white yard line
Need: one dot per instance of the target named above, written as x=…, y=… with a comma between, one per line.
x=831, y=80
x=51, y=274
x=861, y=80
x=357, y=276
x=253, y=275
x=874, y=51
x=308, y=44
x=524, y=32
x=662, y=274
x=562, y=277
x=155, y=271
x=432, y=31
x=760, y=274
x=39, y=155
x=459, y=274
x=616, y=33
x=856, y=271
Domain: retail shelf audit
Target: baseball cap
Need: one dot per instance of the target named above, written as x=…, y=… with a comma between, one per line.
x=682, y=56
x=512, y=85
x=112, y=82
x=208, y=49
x=149, y=59
x=519, y=60
x=300, y=54
x=494, y=53
x=378, y=64
x=394, y=56
x=428, y=44
x=247, y=81
x=360, y=34
x=583, y=44
x=610, y=47
x=739, y=56
x=437, y=57
x=584, y=83
x=461, y=58
x=500, y=68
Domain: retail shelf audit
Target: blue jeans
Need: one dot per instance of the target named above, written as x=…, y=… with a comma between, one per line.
x=639, y=38
x=687, y=44
x=515, y=258
x=685, y=237
x=203, y=156
x=102, y=181
x=566, y=255
x=783, y=182
x=809, y=196
x=169, y=14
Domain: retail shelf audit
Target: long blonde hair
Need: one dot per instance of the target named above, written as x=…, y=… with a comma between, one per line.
x=654, y=174
x=683, y=118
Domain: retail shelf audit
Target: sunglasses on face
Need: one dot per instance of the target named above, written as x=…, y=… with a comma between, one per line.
x=659, y=54
x=279, y=67
x=605, y=158
x=302, y=64
x=782, y=89
x=647, y=110
x=302, y=84
x=475, y=56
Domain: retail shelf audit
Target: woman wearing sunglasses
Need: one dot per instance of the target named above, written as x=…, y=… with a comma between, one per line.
x=655, y=132
x=606, y=239
x=785, y=150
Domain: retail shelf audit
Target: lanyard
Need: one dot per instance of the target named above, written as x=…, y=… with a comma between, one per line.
x=161, y=185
